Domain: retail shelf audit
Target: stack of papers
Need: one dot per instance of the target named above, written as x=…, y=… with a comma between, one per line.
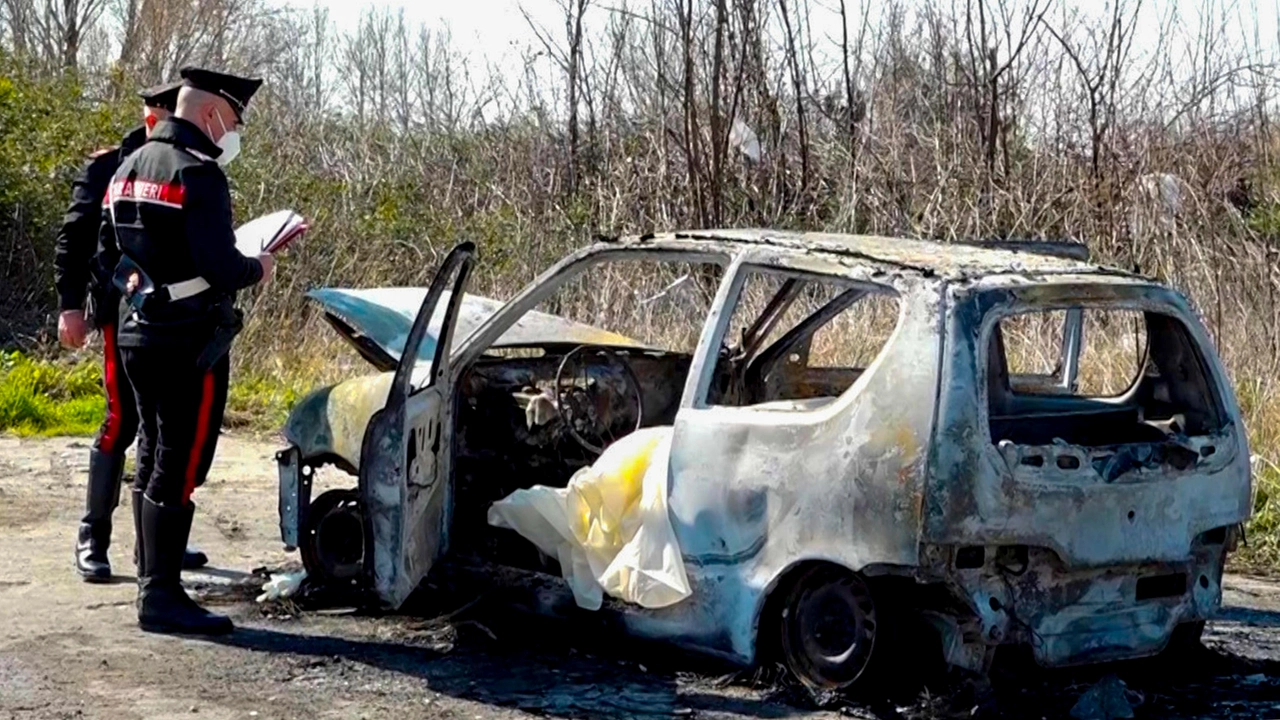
x=269, y=233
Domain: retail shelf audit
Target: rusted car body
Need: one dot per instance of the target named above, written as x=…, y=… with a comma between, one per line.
x=811, y=503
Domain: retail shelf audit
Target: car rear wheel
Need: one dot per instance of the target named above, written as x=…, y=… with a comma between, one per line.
x=828, y=628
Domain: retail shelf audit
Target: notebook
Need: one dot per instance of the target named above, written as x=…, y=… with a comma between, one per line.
x=269, y=233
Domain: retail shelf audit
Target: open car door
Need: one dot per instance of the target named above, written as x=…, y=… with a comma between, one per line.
x=404, y=462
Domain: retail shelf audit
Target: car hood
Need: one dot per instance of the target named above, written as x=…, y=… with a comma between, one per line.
x=377, y=322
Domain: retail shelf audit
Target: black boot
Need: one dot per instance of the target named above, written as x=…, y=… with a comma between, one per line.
x=139, y=554
x=163, y=606
x=139, y=550
x=191, y=559
x=94, y=536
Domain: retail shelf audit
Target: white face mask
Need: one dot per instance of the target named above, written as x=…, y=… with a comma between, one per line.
x=229, y=143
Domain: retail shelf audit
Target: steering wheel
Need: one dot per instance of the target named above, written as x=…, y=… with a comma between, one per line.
x=587, y=408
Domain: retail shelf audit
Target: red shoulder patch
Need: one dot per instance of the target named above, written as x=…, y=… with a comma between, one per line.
x=99, y=153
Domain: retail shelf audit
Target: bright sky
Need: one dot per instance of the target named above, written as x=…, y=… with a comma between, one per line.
x=490, y=29
x=495, y=30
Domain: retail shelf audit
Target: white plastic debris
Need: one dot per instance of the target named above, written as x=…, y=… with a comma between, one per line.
x=542, y=409
x=282, y=585
x=672, y=287
x=742, y=137
x=609, y=528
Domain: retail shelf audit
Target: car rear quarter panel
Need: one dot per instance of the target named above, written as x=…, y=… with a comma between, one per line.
x=754, y=492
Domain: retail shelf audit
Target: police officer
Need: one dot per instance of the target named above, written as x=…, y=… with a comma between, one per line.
x=169, y=224
x=79, y=290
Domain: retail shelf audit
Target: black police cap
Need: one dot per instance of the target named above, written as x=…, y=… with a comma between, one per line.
x=234, y=89
x=163, y=97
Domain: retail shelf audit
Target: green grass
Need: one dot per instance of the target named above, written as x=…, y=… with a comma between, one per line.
x=1261, y=551
x=1260, y=407
x=261, y=403
x=42, y=397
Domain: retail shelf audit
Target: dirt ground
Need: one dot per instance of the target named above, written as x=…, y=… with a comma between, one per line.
x=72, y=650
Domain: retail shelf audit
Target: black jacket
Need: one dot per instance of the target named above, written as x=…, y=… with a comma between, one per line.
x=171, y=215
x=78, y=237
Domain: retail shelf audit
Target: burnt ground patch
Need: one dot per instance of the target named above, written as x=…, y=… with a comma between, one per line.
x=492, y=646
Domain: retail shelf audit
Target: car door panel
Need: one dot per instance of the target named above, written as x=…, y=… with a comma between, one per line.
x=404, y=469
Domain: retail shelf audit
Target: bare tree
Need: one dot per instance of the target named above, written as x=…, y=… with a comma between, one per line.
x=854, y=109
x=401, y=74
x=20, y=25
x=358, y=68
x=797, y=87
x=300, y=79
x=318, y=60
x=719, y=131
x=51, y=32
x=1100, y=64
x=996, y=38
x=570, y=60
x=157, y=37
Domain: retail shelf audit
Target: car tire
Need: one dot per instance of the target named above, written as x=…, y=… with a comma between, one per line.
x=1185, y=640
x=827, y=628
x=332, y=543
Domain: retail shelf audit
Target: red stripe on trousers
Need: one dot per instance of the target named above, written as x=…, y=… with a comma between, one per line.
x=202, y=436
x=111, y=378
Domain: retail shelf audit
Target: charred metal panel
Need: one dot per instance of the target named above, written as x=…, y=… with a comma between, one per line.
x=1151, y=514
x=405, y=483
x=1059, y=249
x=295, y=496
x=382, y=481
x=945, y=260
x=755, y=489
x=717, y=619
x=384, y=316
x=1077, y=616
x=330, y=423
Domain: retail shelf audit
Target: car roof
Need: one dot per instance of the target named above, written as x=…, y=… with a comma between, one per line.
x=952, y=260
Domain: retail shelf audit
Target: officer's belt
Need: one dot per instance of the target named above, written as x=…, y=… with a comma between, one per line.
x=137, y=289
x=186, y=288
x=143, y=289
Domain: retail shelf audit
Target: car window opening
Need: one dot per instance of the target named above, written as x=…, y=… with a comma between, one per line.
x=796, y=342
x=535, y=416
x=1131, y=386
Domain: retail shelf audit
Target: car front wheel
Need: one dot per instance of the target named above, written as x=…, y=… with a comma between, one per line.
x=332, y=544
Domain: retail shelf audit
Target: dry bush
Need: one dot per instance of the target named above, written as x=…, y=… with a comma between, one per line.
x=944, y=120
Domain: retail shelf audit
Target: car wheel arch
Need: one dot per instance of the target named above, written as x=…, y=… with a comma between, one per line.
x=318, y=458
x=877, y=576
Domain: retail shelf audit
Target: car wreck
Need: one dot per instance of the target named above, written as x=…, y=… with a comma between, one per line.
x=1023, y=448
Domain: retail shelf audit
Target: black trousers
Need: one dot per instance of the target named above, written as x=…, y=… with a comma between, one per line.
x=120, y=426
x=180, y=411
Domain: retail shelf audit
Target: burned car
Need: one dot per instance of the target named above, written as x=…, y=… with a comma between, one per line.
x=1022, y=447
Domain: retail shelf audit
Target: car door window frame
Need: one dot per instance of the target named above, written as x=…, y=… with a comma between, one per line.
x=707, y=355
x=553, y=279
